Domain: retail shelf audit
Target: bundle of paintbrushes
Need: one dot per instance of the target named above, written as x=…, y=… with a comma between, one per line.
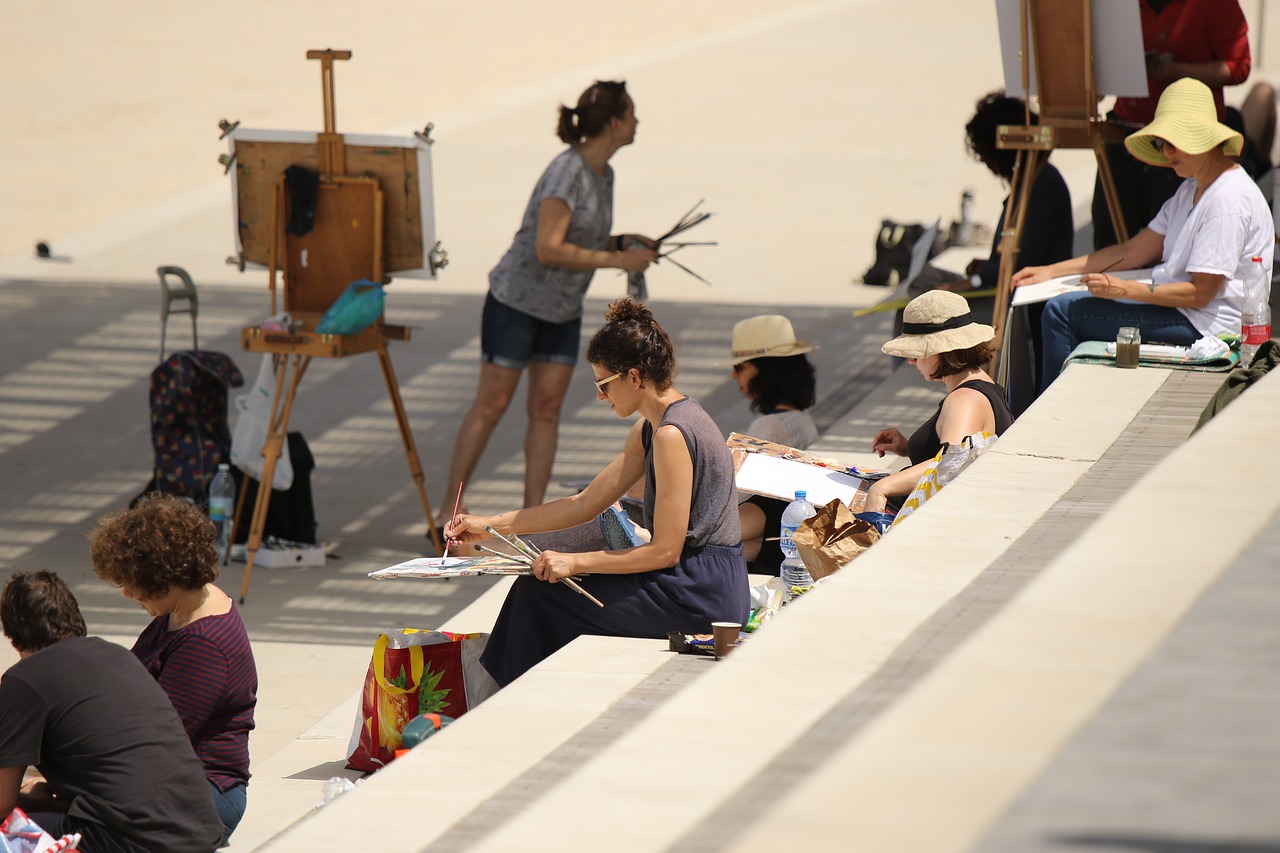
x=666, y=248
x=527, y=553
x=636, y=282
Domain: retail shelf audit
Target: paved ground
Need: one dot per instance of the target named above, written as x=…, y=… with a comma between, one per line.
x=802, y=123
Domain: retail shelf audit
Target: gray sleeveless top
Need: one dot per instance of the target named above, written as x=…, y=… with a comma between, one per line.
x=713, y=511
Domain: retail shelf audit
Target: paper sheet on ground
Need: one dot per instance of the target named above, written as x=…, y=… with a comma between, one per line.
x=775, y=477
x=1029, y=294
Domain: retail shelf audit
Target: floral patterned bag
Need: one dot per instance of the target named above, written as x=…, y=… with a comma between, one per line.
x=415, y=672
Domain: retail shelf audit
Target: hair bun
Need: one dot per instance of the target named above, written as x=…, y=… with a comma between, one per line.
x=628, y=308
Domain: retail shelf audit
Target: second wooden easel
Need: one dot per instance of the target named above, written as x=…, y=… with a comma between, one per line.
x=1059, y=33
x=346, y=243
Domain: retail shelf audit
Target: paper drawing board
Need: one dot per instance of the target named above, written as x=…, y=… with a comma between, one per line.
x=781, y=478
x=1029, y=294
x=452, y=567
x=1119, y=64
x=920, y=251
x=402, y=166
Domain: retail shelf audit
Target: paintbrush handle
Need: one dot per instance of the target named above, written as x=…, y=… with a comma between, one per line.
x=513, y=541
x=576, y=587
x=518, y=558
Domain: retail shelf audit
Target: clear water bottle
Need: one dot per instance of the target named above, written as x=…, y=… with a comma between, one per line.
x=964, y=233
x=1255, y=318
x=794, y=572
x=222, y=507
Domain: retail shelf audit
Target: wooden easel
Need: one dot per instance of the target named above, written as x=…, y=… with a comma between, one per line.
x=346, y=244
x=1062, y=36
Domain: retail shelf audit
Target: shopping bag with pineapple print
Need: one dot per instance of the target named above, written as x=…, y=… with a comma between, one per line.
x=415, y=672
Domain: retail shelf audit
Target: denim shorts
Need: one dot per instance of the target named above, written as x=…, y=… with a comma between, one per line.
x=511, y=338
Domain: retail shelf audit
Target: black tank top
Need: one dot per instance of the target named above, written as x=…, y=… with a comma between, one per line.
x=924, y=443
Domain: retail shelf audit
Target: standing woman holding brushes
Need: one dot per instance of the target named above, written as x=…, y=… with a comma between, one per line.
x=533, y=312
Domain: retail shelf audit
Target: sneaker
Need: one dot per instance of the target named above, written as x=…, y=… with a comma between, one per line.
x=618, y=529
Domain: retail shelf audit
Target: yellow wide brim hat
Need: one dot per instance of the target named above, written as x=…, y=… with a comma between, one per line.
x=1187, y=118
x=936, y=322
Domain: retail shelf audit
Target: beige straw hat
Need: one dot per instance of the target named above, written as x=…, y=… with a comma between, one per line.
x=1186, y=117
x=765, y=336
x=936, y=322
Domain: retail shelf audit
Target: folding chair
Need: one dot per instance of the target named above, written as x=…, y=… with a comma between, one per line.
x=184, y=294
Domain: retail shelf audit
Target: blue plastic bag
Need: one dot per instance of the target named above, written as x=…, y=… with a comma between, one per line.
x=879, y=520
x=354, y=311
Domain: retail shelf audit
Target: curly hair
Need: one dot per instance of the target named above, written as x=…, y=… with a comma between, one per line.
x=962, y=360
x=600, y=102
x=788, y=380
x=993, y=110
x=163, y=542
x=630, y=337
x=37, y=610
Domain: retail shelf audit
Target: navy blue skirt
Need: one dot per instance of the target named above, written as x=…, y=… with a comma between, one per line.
x=709, y=584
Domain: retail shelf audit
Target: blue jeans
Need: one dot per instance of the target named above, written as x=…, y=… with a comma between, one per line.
x=230, y=804
x=1074, y=317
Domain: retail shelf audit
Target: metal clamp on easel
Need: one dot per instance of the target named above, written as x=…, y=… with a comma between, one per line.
x=325, y=209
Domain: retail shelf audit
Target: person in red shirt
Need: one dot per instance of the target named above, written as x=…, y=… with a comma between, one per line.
x=1207, y=40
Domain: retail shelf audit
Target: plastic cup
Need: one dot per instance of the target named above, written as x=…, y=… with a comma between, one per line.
x=725, y=636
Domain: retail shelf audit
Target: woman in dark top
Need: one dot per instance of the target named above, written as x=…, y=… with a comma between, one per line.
x=941, y=340
x=689, y=575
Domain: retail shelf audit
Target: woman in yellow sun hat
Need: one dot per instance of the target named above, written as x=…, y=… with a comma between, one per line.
x=1200, y=244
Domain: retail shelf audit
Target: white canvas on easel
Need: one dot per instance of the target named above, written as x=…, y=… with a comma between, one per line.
x=1119, y=61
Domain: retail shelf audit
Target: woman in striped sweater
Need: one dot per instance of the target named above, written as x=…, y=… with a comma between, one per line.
x=161, y=554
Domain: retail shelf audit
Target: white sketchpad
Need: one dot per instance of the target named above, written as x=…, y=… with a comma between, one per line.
x=774, y=477
x=1029, y=294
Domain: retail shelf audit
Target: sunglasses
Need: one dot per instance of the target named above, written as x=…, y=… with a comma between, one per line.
x=1163, y=146
x=600, y=383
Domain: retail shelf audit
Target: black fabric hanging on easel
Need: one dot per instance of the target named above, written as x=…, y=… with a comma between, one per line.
x=303, y=186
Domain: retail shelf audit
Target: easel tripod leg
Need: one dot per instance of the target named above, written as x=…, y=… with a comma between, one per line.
x=1108, y=181
x=271, y=450
x=410, y=449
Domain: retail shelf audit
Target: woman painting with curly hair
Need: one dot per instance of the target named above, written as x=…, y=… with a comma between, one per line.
x=689, y=575
x=161, y=554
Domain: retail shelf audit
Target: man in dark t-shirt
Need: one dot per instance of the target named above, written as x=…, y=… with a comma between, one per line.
x=118, y=766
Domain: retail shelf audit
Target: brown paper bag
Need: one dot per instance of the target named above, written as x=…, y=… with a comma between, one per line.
x=832, y=538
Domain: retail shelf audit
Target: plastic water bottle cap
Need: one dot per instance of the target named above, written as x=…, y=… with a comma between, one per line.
x=800, y=495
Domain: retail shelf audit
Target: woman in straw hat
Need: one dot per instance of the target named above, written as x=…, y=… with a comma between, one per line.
x=773, y=372
x=940, y=339
x=1201, y=243
x=689, y=575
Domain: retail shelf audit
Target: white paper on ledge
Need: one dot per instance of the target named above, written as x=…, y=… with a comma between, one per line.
x=773, y=477
x=1029, y=294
